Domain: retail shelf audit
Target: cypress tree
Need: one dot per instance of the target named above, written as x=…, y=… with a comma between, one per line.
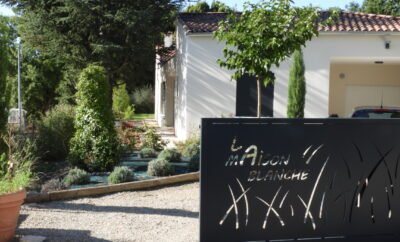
x=297, y=87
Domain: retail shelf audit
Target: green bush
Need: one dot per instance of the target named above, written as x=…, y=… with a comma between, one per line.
x=55, y=130
x=160, y=167
x=95, y=143
x=54, y=184
x=151, y=139
x=121, y=103
x=76, y=176
x=143, y=98
x=171, y=155
x=194, y=138
x=191, y=150
x=129, y=112
x=121, y=174
x=147, y=153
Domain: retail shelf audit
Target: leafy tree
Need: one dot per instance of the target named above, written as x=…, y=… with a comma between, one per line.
x=388, y=7
x=263, y=36
x=4, y=49
x=202, y=7
x=119, y=35
x=94, y=145
x=297, y=87
x=353, y=7
x=218, y=6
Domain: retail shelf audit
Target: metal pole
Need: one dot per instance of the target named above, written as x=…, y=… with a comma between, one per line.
x=19, y=86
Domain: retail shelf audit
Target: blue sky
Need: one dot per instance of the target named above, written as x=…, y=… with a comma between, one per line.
x=324, y=4
x=239, y=4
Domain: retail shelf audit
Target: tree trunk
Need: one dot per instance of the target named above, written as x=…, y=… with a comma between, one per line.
x=259, y=98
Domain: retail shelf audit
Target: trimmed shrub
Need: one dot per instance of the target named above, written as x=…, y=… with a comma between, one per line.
x=55, y=130
x=194, y=162
x=191, y=150
x=54, y=184
x=143, y=98
x=151, y=139
x=147, y=153
x=95, y=144
x=160, y=167
x=171, y=155
x=121, y=103
x=297, y=87
x=76, y=176
x=120, y=174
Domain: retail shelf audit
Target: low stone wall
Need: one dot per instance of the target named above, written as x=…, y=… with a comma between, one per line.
x=128, y=186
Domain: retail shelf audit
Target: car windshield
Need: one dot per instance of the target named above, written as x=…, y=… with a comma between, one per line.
x=376, y=113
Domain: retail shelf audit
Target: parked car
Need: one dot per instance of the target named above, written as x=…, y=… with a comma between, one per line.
x=376, y=112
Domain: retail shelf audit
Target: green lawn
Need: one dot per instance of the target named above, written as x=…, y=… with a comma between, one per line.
x=140, y=116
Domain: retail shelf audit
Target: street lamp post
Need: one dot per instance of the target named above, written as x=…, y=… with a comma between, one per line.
x=20, y=121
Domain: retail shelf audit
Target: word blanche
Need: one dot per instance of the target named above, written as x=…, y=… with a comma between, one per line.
x=278, y=175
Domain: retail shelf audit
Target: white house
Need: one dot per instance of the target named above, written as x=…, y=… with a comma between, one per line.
x=354, y=62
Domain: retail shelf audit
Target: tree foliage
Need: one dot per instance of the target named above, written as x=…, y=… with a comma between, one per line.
x=202, y=7
x=297, y=87
x=119, y=35
x=387, y=7
x=263, y=36
x=94, y=145
x=4, y=62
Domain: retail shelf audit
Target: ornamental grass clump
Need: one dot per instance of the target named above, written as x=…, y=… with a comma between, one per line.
x=77, y=176
x=94, y=146
x=16, y=164
x=160, y=167
x=171, y=155
x=147, y=153
x=121, y=174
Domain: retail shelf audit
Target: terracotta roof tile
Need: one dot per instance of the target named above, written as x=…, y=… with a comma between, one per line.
x=166, y=54
x=346, y=22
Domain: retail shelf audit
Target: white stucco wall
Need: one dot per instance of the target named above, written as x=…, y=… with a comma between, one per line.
x=205, y=89
x=180, y=120
x=210, y=90
x=318, y=55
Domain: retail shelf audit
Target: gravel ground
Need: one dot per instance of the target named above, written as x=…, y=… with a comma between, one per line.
x=165, y=214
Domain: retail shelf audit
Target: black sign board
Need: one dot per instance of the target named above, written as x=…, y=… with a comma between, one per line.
x=274, y=179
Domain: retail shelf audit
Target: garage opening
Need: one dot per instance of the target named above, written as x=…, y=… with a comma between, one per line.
x=356, y=82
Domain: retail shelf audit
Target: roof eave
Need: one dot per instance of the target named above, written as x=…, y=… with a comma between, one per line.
x=189, y=33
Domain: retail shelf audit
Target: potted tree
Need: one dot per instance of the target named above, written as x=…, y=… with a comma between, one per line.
x=15, y=176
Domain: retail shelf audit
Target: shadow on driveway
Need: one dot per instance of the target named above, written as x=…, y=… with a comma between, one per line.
x=82, y=207
x=59, y=235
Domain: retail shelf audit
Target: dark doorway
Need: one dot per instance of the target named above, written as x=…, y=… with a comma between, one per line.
x=246, y=98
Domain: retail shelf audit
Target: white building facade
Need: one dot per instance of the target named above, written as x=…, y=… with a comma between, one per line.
x=348, y=65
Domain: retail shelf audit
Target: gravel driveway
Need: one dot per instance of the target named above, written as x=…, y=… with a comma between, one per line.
x=165, y=214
